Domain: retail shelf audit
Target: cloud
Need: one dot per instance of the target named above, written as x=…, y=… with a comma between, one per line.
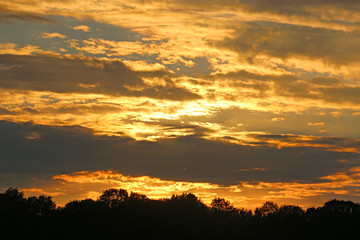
x=316, y=124
x=280, y=4
x=11, y=17
x=278, y=119
x=114, y=48
x=48, y=73
x=53, y=35
x=83, y=75
x=330, y=90
x=151, y=186
x=82, y=28
x=286, y=41
x=90, y=184
x=5, y=111
x=93, y=183
x=47, y=149
x=12, y=48
x=268, y=167
x=273, y=67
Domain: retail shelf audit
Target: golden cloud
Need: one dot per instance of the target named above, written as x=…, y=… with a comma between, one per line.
x=53, y=35
x=12, y=48
x=316, y=124
x=87, y=184
x=82, y=28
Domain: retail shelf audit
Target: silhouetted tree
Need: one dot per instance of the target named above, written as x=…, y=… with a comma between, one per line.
x=266, y=209
x=138, y=197
x=221, y=205
x=114, y=197
x=341, y=206
x=187, y=201
x=186, y=210
x=223, y=209
x=12, y=202
x=14, y=194
x=83, y=207
x=290, y=210
x=22, y=218
x=41, y=206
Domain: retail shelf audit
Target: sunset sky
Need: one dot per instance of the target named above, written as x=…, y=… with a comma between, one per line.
x=248, y=100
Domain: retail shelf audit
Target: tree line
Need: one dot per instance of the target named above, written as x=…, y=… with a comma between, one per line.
x=118, y=214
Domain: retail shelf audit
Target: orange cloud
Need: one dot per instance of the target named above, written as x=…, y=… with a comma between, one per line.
x=93, y=183
x=316, y=124
x=82, y=28
x=12, y=48
x=277, y=119
x=53, y=35
x=85, y=184
x=113, y=48
x=341, y=183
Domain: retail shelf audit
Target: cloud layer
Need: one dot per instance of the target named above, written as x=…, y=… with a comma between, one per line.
x=258, y=98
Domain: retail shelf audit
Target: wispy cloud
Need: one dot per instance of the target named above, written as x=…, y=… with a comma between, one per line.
x=12, y=48
x=53, y=35
x=82, y=28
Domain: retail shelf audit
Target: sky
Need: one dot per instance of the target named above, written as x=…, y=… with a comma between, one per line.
x=250, y=101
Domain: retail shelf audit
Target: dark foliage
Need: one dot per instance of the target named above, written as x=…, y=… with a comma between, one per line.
x=120, y=215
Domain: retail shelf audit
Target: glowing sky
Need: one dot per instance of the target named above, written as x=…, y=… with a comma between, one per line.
x=251, y=100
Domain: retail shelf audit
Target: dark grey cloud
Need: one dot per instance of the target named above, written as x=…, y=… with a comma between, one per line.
x=332, y=142
x=10, y=16
x=35, y=149
x=67, y=75
x=296, y=3
x=77, y=108
x=81, y=110
x=328, y=89
x=5, y=111
x=45, y=73
x=299, y=7
x=244, y=79
x=245, y=75
x=285, y=41
x=341, y=94
x=325, y=81
x=282, y=6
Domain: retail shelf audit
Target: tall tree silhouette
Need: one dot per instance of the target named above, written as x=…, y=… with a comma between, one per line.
x=42, y=205
x=266, y=209
x=221, y=205
x=114, y=197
